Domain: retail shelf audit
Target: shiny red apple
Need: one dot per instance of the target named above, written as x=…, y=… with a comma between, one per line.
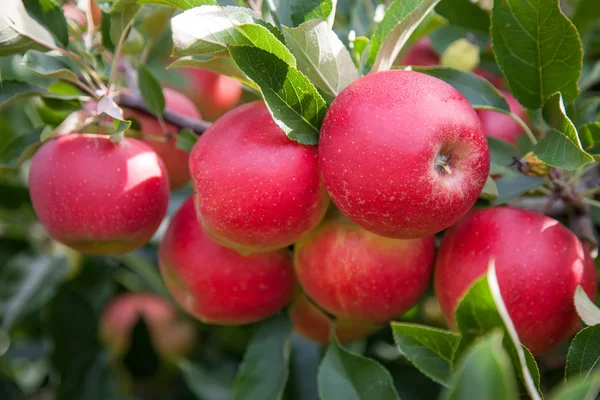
x=403, y=154
x=355, y=274
x=217, y=285
x=96, y=196
x=539, y=264
x=255, y=189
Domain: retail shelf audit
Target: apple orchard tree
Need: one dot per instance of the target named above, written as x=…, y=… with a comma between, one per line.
x=299, y=199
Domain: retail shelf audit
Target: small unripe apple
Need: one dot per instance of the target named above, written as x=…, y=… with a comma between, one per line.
x=539, y=264
x=422, y=54
x=96, y=196
x=353, y=273
x=175, y=159
x=213, y=93
x=217, y=285
x=171, y=335
x=502, y=126
x=256, y=189
x=314, y=324
x=403, y=154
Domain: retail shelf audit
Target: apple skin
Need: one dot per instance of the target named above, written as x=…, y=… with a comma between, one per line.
x=539, y=264
x=422, y=54
x=176, y=160
x=96, y=196
x=255, y=189
x=171, y=335
x=213, y=93
x=501, y=126
x=382, y=148
x=313, y=324
x=217, y=285
x=353, y=273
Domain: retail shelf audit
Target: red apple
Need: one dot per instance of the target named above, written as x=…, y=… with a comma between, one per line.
x=256, y=190
x=353, y=273
x=502, y=126
x=314, y=324
x=171, y=335
x=96, y=196
x=421, y=53
x=539, y=264
x=403, y=154
x=494, y=79
x=217, y=285
x=176, y=160
x=213, y=93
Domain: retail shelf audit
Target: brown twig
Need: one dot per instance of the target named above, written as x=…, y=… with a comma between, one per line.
x=135, y=102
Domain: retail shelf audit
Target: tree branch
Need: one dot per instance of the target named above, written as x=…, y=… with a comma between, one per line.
x=135, y=102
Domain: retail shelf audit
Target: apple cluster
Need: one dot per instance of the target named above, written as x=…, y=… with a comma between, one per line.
x=402, y=156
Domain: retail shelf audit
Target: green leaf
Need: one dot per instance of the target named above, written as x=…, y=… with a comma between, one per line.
x=584, y=353
x=51, y=66
x=578, y=389
x=25, y=155
x=19, y=31
x=585, y=15
x=120, y=23
x=557, y=150
x=26, y=283
x=306, y=10
x=321, y=56
x=99, y=382
x=490, y=189
x=75, y=346
x=224, y=66
x=589, y=134
x=151, y=90
x=210, y=30
x=590, y=75
x=538, y=50
x=586, y=309
x=477, y=90
x=399, y=22
x=203, y=383
x=480, y=311
x=465, y=14
x=186, y=139
x=265, y=368
x=511, y=187
x=431, y=350
x=295, y=104
x=485, y=372
x=119, y=5
x=502, y=156
x=50, y=15
x=11, y=91
x=349, y=376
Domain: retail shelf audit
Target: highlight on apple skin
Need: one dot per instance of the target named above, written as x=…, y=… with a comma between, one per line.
x=171, y=335
x=96, y=196
x=175, y=159
x=539, y=264
x=314, y=324
x=214, y=94
x=352, y=273
x=255, y=189
x=217, y=285
x=403, y=154
x=501, y=126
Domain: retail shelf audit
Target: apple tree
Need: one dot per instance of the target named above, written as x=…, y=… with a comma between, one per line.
x=299, y=199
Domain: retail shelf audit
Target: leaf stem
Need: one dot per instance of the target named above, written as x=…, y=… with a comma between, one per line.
x=115, y=62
